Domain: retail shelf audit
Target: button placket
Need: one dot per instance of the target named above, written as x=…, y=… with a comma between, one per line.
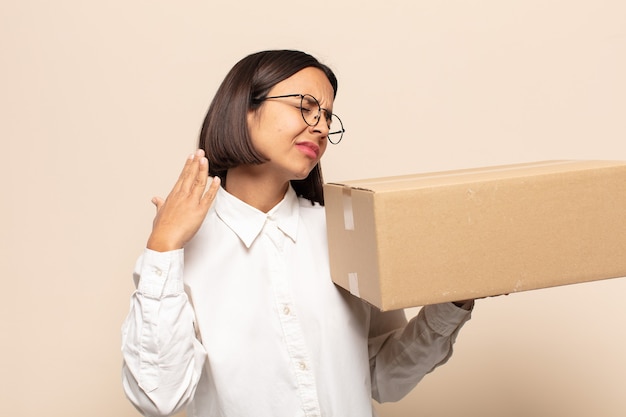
x=290, y=323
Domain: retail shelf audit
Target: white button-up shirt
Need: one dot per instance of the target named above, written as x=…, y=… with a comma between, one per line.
x=255, y=327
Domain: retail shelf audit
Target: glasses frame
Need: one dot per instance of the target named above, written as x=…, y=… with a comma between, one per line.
x=339, y=132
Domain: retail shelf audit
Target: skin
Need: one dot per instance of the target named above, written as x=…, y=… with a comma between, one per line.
x=279, y=133
x=180, y=215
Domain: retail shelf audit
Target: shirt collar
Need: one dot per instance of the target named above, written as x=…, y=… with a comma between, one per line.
x=247, y=221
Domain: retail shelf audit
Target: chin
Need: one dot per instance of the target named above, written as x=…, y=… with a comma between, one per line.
x=300, y=177
x=302, y=174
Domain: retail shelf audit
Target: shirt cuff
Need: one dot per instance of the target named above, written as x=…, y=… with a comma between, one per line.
x=161, y=273
x=445, y=318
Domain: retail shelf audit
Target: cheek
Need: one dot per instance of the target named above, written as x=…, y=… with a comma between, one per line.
x=283, y=128
x=292, y=127
x=323, y=147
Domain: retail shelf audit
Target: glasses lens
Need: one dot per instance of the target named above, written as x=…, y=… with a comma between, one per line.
x=310, y=108
x=336, y=130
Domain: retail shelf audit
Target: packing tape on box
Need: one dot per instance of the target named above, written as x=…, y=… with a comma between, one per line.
x=353, y=284
x=348, y=216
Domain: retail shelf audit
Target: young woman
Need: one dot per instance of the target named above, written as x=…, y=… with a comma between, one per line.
x=253, y=325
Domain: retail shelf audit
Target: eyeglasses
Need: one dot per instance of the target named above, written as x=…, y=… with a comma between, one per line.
x=311, y=111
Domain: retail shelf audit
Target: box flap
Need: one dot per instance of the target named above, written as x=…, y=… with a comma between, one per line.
x=425, y=180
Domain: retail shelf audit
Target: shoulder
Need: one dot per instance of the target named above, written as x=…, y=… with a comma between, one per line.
x=313, y=218
x=312, y=211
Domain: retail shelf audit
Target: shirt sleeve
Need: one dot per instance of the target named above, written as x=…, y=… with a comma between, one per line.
x=402, y=353
x=163, y=359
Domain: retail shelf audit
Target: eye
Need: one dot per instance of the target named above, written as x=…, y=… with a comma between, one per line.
x=309, y=103
x=306, y=109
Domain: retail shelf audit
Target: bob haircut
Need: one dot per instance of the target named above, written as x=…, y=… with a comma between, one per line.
x=225, y=138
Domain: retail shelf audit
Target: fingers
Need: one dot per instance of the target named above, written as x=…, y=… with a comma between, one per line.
x=158, y=202
x=199, y=182
x=194, y=173
x=209, y=196
x=180, y=215
x=193, y=180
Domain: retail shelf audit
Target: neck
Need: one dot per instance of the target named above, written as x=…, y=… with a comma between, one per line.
x=262, y=192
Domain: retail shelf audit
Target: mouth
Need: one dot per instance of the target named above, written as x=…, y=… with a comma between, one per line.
x=309, y=149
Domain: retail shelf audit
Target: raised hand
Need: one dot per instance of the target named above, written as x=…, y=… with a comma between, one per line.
x=180, y=215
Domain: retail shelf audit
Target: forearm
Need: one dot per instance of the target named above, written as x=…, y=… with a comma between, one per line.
x=408, y=354
x=162, y=359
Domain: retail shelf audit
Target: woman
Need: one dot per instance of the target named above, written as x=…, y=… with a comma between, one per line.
x=254, y=326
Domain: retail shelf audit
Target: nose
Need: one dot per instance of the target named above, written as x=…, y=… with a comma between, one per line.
x=320, y=133
x=321, y=128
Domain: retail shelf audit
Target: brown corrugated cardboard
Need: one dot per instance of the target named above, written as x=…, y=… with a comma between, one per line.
x=421, y=239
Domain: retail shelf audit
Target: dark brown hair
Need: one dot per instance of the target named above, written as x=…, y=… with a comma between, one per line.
x=224, y=135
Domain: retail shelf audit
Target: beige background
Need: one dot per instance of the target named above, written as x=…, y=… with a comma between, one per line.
x=100, y=102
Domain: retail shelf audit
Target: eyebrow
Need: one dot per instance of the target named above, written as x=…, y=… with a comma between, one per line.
x=309, y=101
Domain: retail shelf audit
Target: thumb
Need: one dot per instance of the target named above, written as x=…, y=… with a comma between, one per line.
x=158, y=202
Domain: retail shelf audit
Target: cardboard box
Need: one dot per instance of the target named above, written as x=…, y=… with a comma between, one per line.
x=429, y=238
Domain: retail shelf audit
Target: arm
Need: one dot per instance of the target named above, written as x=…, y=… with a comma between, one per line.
x=163, y=360
x=401, y=357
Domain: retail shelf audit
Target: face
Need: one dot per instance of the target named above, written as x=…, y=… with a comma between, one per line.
x=281, y=135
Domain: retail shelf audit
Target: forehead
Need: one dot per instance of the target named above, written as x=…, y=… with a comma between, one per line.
x=311, y=81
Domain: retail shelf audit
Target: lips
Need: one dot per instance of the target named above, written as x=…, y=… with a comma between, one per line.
x=309, y=149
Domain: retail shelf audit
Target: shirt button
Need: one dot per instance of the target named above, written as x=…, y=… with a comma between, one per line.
x=303, y=365
x=158, y=271
x=286, y=310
